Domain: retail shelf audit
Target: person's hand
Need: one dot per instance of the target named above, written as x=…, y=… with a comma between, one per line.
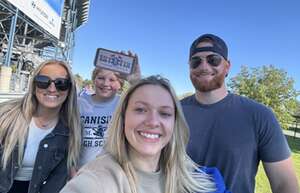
x=73, y=172
x=136, y=72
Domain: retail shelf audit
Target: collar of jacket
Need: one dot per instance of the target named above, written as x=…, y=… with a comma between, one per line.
x=60, y=129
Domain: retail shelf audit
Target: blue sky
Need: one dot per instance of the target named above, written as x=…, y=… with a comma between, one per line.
x=257, y=32
x=56, y=5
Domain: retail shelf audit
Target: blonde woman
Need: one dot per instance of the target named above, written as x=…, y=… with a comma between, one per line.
x=40, y=133
x=145, y=148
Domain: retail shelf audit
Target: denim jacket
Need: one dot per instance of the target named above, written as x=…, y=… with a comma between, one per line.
x=50, y=171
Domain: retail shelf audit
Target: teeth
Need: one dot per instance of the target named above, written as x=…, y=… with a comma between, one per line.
x=148, y=135
x=51, y=97
x=205, y=74
x=105, y=90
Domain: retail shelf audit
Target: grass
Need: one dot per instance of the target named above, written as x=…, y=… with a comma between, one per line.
x=262, y=184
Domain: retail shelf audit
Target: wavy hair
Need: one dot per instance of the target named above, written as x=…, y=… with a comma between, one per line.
x=179, y=169
x=15, y=117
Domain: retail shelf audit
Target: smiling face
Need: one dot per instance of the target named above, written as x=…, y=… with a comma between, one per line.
x=51, y=98
x=106, y=84
x=207, y=77
x=149, y=121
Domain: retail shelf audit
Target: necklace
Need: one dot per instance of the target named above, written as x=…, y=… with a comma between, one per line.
x=45, y=124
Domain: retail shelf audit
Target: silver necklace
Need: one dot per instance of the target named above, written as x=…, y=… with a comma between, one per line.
x=45, y=125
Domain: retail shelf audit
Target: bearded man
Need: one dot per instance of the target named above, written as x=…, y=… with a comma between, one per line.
x=231, y=132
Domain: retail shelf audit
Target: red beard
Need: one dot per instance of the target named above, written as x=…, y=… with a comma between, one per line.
x=208, y=85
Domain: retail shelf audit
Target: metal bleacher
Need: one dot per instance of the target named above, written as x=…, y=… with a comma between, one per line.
x=32, y=44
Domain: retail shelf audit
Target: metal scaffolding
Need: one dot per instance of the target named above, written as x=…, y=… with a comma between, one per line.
x=24, y=44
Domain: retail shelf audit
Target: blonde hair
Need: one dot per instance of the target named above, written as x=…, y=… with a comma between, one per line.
x=15, y=116
x=178, y=168
x=97, y=70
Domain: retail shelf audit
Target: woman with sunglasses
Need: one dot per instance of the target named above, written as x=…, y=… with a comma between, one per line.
x=146, y=148
x=96, y=110
x=40, y=133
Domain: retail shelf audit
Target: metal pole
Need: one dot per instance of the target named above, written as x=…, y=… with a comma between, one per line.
x=25, y=34
x=295, y=131
x=11, y=38
x=71, y=27
x=56, y=51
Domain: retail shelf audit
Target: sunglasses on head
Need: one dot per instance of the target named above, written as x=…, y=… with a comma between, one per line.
x=212, y=59
x=43, y=82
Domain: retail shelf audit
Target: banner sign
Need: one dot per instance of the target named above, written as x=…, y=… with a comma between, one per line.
x=46, y=13
x=114, y=61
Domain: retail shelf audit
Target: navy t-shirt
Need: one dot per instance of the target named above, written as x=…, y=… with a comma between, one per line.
x=233, y=135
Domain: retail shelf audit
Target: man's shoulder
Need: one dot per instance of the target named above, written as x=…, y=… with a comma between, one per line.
x=249, y=103
x=231, y=98
x=188, y=100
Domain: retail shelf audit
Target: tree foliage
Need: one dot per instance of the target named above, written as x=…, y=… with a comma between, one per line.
x=297, y=115
x=270, y=86
x=78, y=80
x=87, y=82
x=298, y=109
x=82, y=82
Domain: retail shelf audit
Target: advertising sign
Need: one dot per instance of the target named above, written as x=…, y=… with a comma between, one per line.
x=46, y=13
x=114, y=61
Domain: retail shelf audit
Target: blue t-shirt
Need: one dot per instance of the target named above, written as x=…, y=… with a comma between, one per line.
x=233, y=135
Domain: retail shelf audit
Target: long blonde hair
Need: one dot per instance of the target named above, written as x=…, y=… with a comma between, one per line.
x=15, y=116
x=178, y=168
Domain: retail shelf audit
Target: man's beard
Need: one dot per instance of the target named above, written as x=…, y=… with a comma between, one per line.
x=208, y=85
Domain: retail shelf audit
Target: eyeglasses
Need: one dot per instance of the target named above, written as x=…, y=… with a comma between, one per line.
x=212, y=59
x=43, y=82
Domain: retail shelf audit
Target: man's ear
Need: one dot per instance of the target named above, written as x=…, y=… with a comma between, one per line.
x=228, y=65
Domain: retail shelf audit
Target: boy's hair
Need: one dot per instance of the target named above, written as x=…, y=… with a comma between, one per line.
x=97, y=70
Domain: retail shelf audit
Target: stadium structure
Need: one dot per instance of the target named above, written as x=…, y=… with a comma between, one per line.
x=32, y=31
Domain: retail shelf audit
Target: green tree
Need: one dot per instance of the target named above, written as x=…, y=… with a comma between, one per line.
x=87, y=82
x=78, y=80
x=297, y=115
x=270, y=86
x=298, y=109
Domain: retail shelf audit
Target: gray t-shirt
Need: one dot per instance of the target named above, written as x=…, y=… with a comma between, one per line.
x=233, y=135
x=95, y=118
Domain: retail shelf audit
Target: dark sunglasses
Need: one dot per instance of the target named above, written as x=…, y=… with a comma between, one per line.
x=212, y=59
x=43, y=82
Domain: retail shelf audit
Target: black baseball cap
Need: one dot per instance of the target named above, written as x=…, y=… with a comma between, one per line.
x=218, y=45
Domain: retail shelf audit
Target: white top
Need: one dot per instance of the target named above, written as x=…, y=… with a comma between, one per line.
x=35, y=136
x=95, y=118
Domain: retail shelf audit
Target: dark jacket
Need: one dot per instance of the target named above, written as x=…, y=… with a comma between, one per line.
x=50, y=171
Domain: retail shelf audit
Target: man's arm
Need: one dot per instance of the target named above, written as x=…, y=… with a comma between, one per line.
x=282, y=176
